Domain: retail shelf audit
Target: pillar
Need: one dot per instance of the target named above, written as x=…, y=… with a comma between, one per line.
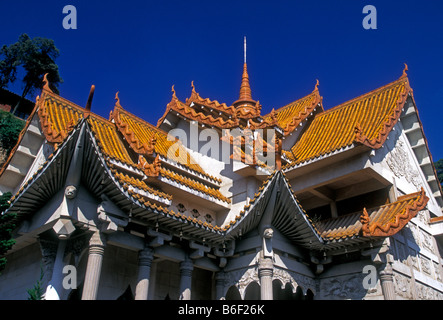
x=57, y=273
x=219, y=285
x=145, y=258
x=96, y=250
x=186, y=268
x=265, y=272
x=387, y=282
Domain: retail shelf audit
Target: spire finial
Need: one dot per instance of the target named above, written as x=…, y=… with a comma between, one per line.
x=244, y=48
x=245, y=98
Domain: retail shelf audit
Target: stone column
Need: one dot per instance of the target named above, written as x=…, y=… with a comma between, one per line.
x=57, y=273
x=387, y=282
x=219, y=285
x=265, y=272
x=186, y=268
x=145, y=258
x=97, y=245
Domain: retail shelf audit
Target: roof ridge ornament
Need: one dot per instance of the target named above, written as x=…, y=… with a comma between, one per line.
x=174, y=95
x=117, y=102
x=89, y=102
x=364, y=220
x=404, y=75
x=316, y=86
x=46, y=83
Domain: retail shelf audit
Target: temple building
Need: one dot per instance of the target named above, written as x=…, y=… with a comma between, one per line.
x=221, y=201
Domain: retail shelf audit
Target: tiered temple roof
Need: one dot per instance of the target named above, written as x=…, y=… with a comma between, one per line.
x=140, y=176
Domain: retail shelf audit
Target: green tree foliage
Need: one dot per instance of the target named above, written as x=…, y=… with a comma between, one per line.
x=10, y=128
x=6, y=228
x=37, y=291
x=439, y=167
x=37, y=57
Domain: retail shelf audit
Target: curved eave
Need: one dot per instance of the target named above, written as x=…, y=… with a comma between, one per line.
x=101, y=180
x=46, y=181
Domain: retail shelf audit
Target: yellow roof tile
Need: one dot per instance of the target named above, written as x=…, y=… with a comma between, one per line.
x=367, y=120
x=194, y=184
x=291, y=115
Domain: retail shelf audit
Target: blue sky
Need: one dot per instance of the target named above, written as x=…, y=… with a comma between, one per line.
x=142, y=48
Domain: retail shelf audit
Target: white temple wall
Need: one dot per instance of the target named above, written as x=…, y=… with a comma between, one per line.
x=397, y=163
x=30, y=155
x=21, y=273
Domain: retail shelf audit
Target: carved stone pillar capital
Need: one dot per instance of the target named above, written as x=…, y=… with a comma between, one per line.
x=186, y=268
x=97, y=243
x=265, y=267
x=145, y=257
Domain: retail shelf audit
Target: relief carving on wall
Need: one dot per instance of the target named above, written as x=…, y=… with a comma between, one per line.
x=423, y=216
x=427, y=241
x=346, y=287
x=425, y=265
x=428, y=293
x=403, y=287
x=437, y=271
x=399, y=163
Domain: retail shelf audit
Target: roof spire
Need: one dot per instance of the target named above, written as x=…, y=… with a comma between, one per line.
x=245, y=97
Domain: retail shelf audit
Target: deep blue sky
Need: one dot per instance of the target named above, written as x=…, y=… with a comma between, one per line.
x=142, y=48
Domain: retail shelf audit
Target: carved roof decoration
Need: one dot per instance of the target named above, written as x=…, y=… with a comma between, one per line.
x=196, y=98
x=383, y=221
x=190, y=113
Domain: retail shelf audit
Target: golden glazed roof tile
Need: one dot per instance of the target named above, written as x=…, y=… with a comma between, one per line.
x=367, y=120
x=193, y=184
x=111, y=144
x=291, y=115
x=58, y=116
x=131, y=181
